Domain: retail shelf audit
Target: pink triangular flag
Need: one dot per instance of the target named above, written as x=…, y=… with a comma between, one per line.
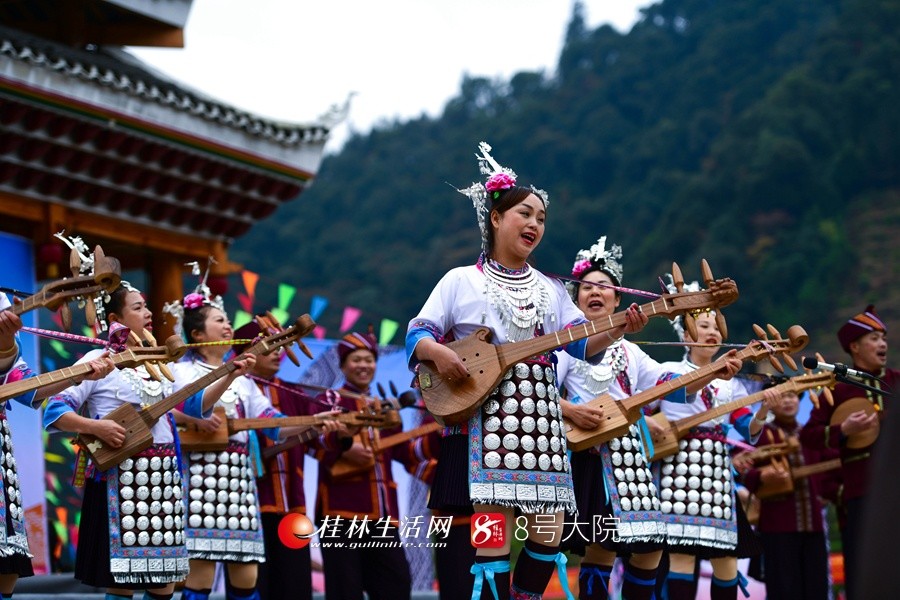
x=319, y=332
x=350, y=317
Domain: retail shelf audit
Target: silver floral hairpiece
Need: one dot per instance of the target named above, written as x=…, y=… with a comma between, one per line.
x=501, y=177
x=598, y=255
x=201, y=296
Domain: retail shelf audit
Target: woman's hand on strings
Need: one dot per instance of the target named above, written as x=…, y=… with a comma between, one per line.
x=244, y=363
x=635, y=319
x=111, y=433
x=582, y=416
x=730, y=365
x=209, y=425
x=100, y=367
x=448, y=363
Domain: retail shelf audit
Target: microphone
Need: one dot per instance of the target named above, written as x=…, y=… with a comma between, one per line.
x=407, y=399
x=838, y=369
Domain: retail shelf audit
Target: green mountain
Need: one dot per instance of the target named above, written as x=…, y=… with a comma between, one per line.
x=762, y=135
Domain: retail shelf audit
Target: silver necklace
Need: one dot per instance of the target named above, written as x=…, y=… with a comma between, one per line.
x=520, y=298
x=229, y=397
x=597, y=378
x=147, y=389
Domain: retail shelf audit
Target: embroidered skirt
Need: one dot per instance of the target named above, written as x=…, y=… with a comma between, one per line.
x=517, y=444
x=697, y=499
x=15, y=557
x=223, y=507
x=618, y=502
x=132, y=524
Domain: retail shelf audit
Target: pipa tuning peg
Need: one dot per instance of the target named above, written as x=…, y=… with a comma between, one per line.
x=90, y=312
x=828, y=397
x=65, y=316
x=770, y=437
x=305, y=349
x=790, y=361
x=291, y=356
x=760, y=332
x=677, y=277
x=721, y=324
x=152, y=372
x=381, y=391
x=690, y=326
x=165, y=372
x=814, y=398
x=393, y=388
x=819, y=357
x=773, y=331
x=707, y=273
x=776, y=364
x=75, y=262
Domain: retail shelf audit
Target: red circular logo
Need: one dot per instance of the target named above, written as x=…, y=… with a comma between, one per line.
x=295, y=530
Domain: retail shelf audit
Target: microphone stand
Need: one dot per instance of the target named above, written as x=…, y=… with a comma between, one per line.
x=845, y=379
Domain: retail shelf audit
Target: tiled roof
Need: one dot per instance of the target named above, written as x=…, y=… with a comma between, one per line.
x=118, y=70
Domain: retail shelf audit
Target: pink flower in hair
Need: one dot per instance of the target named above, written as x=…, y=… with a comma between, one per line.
x=580, y=267
x=193, y=301
x=499, y=181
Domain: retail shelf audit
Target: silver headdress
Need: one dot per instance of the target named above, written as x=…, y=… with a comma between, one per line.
x=201, y=296
x=498, y=178
x=599, y=256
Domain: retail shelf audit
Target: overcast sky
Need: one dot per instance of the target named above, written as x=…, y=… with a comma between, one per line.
x=291, y=60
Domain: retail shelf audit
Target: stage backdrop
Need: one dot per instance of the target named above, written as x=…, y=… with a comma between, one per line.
x=18, y=273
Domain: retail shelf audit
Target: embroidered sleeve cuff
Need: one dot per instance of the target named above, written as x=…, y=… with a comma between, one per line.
x=678, y=396
x=742, y=426
x=56, y=407
x=577, y=349
x=193, y=407
x=417, y=332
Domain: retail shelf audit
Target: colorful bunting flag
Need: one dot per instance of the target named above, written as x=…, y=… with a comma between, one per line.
x=351, y=315
x=317, y=307
x=250, y=279
x=388, y=330
x=319, y=332
x=246, y=302
x=241, y=318
x=286, y=294
x=60, y=349
x=281, y=315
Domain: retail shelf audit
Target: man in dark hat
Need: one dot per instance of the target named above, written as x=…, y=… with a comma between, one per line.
x=864, y=337
x=287, y=572
x=356, y=485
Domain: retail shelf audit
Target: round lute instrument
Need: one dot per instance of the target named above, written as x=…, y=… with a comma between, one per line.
x=846, y=408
